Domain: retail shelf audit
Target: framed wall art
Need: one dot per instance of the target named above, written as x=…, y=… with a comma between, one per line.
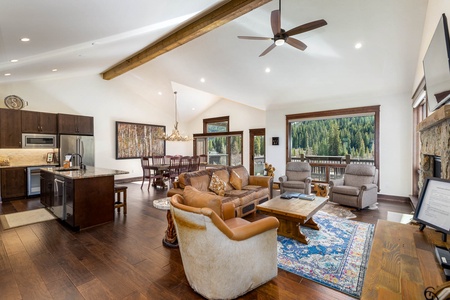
x=134, y=140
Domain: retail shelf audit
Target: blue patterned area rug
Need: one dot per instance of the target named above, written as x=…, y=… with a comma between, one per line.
x=336, y=256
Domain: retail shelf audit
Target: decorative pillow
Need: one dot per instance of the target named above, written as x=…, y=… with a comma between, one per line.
x=217, y=185
x=235, y=180
x=224, y=175
x=243, y=174
x=195, y=198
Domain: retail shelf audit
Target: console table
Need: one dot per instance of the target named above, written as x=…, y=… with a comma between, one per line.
x=402, y=262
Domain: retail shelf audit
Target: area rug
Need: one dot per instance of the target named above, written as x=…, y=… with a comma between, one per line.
x=25, y=218
x=339, y=211
x=336, y=256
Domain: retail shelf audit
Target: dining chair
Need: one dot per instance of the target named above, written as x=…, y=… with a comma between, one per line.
x=167, y=159
x=194, y=163
x=172, y=172
x=148, y=172
x=157, y=160
x=203, y=161
x=184, y=164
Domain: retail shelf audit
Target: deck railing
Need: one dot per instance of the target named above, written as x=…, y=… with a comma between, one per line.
x=326, y=168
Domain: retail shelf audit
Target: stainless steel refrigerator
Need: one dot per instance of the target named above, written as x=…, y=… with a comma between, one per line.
x=83, y=145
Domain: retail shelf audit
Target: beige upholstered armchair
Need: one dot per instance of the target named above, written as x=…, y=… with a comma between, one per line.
x=223, y=256
x=297, y=178
x=358, y=188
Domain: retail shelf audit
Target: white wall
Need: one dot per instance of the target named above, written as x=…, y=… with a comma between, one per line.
x=110, y=101
x=107, y=102
x=242, y=118
x=395, y=137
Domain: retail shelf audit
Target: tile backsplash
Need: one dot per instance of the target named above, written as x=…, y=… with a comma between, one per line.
x=26, y=157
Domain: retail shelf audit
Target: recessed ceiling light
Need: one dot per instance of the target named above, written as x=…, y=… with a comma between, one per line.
x=25, y=39
x=358, y=45
x=267, y=70
x=193, y=108
x=54, y=70
x=7, y=74
x=202, y=79
x=160, y=93
x=14, y=60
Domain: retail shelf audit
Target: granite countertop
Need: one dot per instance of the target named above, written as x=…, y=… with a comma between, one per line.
x=76, y=173
x=29, y=165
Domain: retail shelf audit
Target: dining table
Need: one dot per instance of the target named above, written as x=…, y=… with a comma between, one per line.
x=160, y=169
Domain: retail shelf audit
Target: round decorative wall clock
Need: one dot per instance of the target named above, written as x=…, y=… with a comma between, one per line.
x=14, y=102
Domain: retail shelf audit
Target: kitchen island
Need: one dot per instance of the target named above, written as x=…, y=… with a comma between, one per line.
x=81, y=198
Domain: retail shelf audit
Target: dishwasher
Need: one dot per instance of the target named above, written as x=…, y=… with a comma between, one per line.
x=59, y=199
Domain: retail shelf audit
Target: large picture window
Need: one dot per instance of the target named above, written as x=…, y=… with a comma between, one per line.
x=224, y=148
x=331, y=139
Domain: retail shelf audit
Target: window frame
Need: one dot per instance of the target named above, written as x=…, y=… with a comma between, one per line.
x=346, y=112
x=208, y=121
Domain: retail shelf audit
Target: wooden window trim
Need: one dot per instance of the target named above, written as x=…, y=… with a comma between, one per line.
x=216, y=120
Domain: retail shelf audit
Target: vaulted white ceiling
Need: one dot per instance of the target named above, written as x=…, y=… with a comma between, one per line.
x=86, y=37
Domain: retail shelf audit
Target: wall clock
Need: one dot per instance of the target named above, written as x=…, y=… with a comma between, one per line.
x=14, y=102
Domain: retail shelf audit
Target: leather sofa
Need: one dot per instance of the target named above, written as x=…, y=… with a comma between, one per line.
x=223, y=256
x=236, y=185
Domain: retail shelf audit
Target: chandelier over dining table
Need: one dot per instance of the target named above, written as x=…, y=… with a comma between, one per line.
x=175, y=136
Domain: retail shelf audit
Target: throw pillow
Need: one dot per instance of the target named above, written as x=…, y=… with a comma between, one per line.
x=217, y=185
x=224, y=175
x=235, y=180
x=243, y=174
x=195, y=198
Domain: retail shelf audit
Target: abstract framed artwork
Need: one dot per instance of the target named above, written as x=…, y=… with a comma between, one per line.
x=134, y=140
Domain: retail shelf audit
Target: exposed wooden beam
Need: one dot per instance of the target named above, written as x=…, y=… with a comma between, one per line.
x=199, y=26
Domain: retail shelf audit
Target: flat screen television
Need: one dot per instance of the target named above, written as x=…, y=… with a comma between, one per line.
x=436, y=65
x=433, y=210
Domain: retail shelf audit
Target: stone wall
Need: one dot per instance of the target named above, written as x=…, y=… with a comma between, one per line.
x=435, y=141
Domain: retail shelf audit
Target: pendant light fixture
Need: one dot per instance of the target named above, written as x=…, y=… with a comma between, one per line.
x=175, y=136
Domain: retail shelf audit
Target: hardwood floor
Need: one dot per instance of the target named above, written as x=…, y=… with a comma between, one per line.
x=124, y=259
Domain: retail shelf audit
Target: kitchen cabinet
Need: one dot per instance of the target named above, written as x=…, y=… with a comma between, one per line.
x=81, y=198
x=10, y=128
x=75, y=124
x=39, y=122
x=46, y=189
x=13, y=183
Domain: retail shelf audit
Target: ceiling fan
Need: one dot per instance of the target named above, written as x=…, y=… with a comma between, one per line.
x=281, y=36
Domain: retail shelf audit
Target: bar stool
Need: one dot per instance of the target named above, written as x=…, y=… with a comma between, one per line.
x=120, y=190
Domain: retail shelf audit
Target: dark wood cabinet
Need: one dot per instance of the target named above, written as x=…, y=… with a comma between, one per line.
x=39, y=122
x=74, y=124
x=87, y=201
x=46, y=189
x=10, y=128
x=13, y=183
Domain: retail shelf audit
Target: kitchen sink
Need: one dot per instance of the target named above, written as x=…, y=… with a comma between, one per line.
x=66, y=169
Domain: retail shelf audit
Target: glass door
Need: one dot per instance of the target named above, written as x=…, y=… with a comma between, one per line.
x=257, y=151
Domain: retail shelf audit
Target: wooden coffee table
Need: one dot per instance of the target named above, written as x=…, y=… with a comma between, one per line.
x=293, y=213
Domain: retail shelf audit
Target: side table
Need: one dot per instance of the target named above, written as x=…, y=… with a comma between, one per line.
x=170, y=238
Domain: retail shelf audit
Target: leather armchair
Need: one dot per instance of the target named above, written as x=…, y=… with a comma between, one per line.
x=297, y=178
x=358, y=188
x=226, y=257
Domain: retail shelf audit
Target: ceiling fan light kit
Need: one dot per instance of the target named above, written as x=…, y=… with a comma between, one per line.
x=280, y=36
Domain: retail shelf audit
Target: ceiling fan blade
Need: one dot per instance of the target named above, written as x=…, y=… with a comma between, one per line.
x=268, y=50
x=254, y=38
x=275, y=22
x=306, y=27
x=296, y=43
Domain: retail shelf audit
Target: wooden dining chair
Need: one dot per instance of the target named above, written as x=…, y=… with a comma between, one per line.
x=184, y=164
x=203, y=161
x=172, y=172
x=157, y=159
x=194, y=163
x=149, y=173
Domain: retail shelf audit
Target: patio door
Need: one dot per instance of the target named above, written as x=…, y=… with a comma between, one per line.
x=257, y=151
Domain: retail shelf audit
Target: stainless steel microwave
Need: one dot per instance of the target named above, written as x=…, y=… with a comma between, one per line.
x=38, y=141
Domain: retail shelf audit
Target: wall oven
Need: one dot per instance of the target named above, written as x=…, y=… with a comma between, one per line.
x=34, y=180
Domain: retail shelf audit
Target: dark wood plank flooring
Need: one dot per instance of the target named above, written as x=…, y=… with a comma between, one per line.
x=124, y=259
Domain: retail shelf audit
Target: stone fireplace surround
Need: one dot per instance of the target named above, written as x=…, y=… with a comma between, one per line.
x=435, y=142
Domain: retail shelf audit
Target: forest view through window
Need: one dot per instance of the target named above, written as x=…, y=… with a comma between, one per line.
x=354, y=136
